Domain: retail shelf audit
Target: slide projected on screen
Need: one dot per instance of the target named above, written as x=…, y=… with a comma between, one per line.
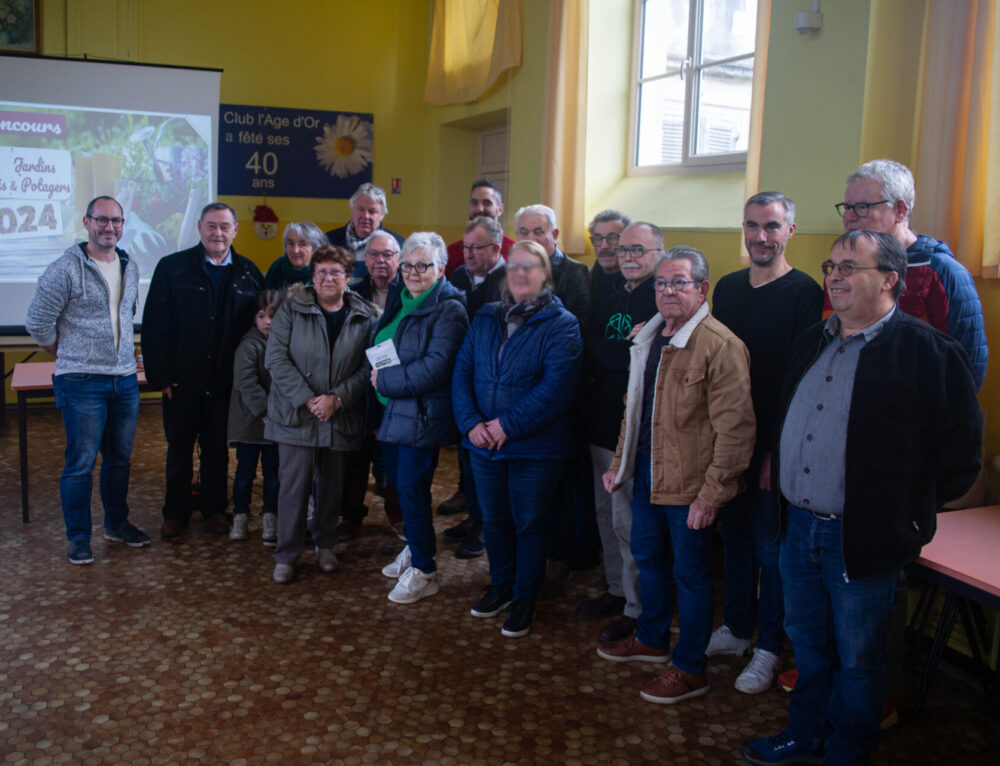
x=53, y=160
x=72, y=130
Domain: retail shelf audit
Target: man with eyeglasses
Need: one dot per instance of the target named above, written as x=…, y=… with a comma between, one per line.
x=81, y=313
x=880, y=196
x=686, y=439
x=767, y=305
x=606, y=362
x=605, y=276
x=878, y=427
x=485, y=201
x=480, y=278
x=201, y=301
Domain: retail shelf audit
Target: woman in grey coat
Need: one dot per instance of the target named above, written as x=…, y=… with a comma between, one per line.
x=315, y=409
x=426, y=321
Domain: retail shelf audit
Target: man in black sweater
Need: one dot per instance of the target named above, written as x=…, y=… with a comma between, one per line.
x=767, y=306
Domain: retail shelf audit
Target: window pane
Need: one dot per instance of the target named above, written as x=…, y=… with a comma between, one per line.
x=664, y=36
x=723, y=109
x=661, y=122
x=728, y=29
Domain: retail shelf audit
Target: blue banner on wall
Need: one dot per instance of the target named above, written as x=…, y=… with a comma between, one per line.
x=293, y=152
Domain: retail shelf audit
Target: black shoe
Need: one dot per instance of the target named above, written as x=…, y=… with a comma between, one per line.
x=518, y=622
x=495, y=600
x=557, y=574
x=604, y=605
x=780, y=748
x=472, y=547
x=380, y=482
x=621, y=628
x=458, y=532
x=454, y=504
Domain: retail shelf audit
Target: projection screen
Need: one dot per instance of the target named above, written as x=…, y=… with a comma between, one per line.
x=71, y=130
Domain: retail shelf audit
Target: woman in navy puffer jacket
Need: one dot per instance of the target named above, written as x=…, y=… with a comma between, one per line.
x=513, y=385
x=426, y=320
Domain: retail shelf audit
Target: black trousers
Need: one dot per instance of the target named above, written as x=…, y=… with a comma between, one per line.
x=190, y=417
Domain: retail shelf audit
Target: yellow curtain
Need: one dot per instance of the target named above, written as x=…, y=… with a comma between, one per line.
x=564, y=135
x=472, y=43
x=752, y=183
x=957, y=151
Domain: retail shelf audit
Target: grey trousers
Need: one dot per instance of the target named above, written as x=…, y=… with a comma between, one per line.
x=296, y=469
x=614, y=523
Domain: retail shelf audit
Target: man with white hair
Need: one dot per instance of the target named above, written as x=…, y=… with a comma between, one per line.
x=570, y=278
x=368, y=208
x=880, y=196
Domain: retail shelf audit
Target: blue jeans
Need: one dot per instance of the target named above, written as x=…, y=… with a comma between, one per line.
x=667, y=552
x=516, y=498
x=467, y=483
x=410, y=471
x=838, y=630
x=246, y=472
x=99, y=413
x=750, y=553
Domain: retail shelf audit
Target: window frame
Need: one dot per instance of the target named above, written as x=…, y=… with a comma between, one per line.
x=731, y=162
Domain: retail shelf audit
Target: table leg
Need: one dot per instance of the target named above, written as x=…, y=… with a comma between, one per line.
x=946, y=622
x=3, y=390
x=22, y=443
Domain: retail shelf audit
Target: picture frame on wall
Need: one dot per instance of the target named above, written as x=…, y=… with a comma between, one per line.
x=19, y=29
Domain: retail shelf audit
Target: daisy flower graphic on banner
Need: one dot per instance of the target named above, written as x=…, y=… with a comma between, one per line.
x=345, y=148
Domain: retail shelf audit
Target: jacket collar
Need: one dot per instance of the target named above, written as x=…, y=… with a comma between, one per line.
x=681, y=337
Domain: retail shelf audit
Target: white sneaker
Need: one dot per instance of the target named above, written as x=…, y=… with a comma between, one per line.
x=724, y=642
x=414, y=585
x=240, y=530
x=759, y=674
x=283, y=573
x=269, y=530
x=326, y=559
x=399, y=565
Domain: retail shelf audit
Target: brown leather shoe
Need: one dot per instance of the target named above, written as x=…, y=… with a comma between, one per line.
x=631, y=649
x=620, y=629
x=216, y=524
x=673, y=686
x=172, y=528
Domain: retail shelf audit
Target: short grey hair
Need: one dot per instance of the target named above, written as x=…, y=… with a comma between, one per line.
x=430, y=243
x=699, y=265
x=609, y=216
x=889, y=253
x=487, y=224
x=382, y=234
x=377, y=193
x=211, y=207
x=895, y=179
x=769, y=198
x=652, y=228
x=309, y=231
x=543, y=210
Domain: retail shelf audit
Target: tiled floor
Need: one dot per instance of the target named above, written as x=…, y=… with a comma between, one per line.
x=188, y=652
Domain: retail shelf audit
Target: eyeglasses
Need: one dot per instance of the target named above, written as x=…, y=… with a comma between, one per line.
x=676, y=284
x=635, y=251
x=385, y=255
x=319, y=276
x=477, y=248
x=845, y=268
x=103, y=220
x=860, y=209
x=611, y=239
x=420, y=268
x=523, y=267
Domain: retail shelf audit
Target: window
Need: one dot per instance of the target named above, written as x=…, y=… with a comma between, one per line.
x=692, y=84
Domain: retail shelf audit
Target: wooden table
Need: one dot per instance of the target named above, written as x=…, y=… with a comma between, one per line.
x=963, y=560
x=33, y=380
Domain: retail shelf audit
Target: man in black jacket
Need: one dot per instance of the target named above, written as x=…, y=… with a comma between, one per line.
x=200, y=303
x=368, y=208
x=878, y=427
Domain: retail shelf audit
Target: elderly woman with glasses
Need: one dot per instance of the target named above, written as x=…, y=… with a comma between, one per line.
x=513, y=386
x=425, y=321
x=315, y=409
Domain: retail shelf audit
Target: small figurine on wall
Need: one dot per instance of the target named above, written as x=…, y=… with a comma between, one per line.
x=265, y=222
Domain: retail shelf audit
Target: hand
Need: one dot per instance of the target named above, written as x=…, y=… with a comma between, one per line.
x=608, y=478
x=168, y=391
x=765, y=473
x=496, y=432
x=701, y=514
x=480, y=437
x=635, y=330
x=322, y=407
x=374, y=378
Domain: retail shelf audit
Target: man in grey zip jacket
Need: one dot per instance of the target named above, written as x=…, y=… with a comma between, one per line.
x=81, y=313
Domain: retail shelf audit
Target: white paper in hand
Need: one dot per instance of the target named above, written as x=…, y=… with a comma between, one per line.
x=383, y=355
